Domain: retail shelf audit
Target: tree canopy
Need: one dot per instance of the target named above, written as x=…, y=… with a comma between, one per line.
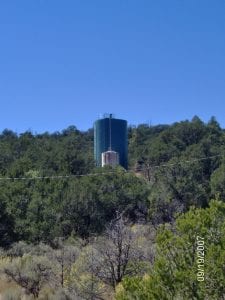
x=58, y=211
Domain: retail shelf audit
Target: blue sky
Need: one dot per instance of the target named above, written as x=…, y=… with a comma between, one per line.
x=65, y=62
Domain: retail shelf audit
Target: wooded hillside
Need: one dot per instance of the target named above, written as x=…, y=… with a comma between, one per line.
x=53, y=197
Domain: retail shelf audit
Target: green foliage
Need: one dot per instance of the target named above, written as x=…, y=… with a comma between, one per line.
x=37, y=210
x=82, y=280
x=92, y=202
x=217, y=181
x=176, y=170
x=7, y=234
x=175, y=270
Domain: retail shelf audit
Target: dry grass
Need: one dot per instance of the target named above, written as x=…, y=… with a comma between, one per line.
x=5, y=285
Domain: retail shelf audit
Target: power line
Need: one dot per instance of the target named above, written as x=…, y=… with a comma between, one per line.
x=55, y=176
x=180, y=162
x=110, y=172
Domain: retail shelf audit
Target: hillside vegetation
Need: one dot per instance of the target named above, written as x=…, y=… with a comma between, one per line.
x=69, y=230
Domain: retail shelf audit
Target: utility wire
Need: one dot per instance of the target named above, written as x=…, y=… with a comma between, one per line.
x=55, y=176
x=110, y=172
x=180, y=162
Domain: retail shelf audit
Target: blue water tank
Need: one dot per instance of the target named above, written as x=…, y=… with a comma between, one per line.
x=111, y=134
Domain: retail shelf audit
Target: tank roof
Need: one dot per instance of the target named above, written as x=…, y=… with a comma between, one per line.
x=108, y=115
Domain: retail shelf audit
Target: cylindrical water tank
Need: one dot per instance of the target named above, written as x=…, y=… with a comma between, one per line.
x=111, y=134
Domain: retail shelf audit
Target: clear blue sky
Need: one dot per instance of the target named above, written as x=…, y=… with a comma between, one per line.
x=64, y=62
